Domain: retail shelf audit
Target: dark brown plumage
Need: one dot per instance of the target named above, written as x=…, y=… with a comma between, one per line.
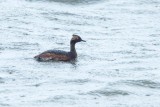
x=58, y=55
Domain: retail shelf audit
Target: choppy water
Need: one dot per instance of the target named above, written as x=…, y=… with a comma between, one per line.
x=118, y=66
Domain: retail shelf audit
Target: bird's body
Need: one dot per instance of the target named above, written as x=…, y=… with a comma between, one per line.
x=58, y=55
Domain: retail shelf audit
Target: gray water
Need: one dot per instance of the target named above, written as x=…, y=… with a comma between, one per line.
x=118, y=66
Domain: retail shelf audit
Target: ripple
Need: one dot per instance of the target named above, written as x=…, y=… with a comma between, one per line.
x=134, y=44
x=144, y=83
x=20, y=46
x=149, y=2
x=109, y=92
x=77, y=81
x=4, y=105
x=1, y=80
x=72, y=2
x=155, y=35
x=124, y=52
x=36, y=85
x=65, y=99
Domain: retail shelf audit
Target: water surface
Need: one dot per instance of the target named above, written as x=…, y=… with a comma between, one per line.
x=118, y=66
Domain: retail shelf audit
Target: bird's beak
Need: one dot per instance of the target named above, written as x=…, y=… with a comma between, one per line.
x=83, y=41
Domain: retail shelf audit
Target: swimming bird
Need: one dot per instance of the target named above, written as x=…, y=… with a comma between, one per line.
x=59, y=55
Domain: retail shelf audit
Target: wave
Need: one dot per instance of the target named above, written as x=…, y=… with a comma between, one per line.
x=72, y=2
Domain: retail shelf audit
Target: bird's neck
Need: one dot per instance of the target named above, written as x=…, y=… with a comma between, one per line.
x=72, y=49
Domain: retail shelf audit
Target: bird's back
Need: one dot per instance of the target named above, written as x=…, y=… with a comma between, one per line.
x=56, y=55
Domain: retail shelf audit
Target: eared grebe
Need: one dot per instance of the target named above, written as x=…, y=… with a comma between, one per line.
x=58, y=55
